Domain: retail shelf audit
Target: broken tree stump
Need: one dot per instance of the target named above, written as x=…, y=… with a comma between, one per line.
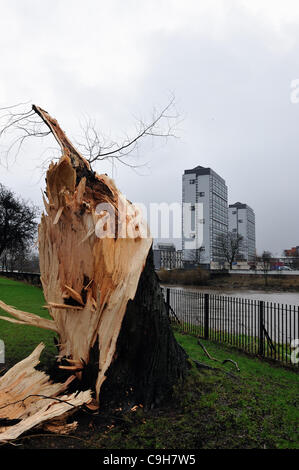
x=100, y=286
x=28, y=398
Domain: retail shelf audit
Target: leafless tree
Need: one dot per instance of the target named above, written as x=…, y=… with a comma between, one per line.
x=230, y=244
x=265, y=260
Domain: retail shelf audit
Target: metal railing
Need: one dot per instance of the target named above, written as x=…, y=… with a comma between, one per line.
x=266, y=329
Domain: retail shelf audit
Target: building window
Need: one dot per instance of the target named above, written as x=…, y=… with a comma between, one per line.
x=240, y=221
x=201, y=194
x=191, y=181
x=202, y=221
x=234, y=212
x=234, y=229
x=192, y=208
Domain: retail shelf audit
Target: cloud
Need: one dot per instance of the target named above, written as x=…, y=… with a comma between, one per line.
x=230, y=64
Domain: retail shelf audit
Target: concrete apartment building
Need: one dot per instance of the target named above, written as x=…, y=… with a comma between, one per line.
x=167, y=256
x=241, y=220
x=205, y=217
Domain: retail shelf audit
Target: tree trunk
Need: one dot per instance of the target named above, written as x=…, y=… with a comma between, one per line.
x=100, y=286
x=149, y=361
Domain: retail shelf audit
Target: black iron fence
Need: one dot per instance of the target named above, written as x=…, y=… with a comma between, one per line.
x=267, y=329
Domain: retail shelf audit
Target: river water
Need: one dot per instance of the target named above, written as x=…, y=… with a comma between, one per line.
x=289, y=298
x=237, y=311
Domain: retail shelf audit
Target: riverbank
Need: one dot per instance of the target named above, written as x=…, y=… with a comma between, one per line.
x=229, y=281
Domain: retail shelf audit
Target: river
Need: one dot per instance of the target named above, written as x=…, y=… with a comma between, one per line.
x=289, y=298
x=238, y=311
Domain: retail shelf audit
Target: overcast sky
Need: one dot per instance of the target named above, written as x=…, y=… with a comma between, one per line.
x=229, y=63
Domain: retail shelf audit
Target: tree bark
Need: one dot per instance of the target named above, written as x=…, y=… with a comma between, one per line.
x=148, y=360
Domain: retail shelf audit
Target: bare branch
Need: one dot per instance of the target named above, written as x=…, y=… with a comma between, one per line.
x=24, y=123
x=97, y=147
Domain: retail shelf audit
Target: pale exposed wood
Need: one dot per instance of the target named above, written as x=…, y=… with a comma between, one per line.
x=71, y=361
x=60, y=428
x=58, y=215
x=62, y=306
x=75, y=260
x=72, y=293
x=71, y=255
x=29, y=395
x=27, y=318
x=74, y=368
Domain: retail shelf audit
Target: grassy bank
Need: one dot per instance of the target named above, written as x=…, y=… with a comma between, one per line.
x=199, y=277
x=218, y=408
x=257, y=282
x=194, y=277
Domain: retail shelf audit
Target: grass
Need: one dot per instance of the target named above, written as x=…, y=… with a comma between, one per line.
x=20, y=340
x=243, y=342
x=213, y=409
x=259, y=409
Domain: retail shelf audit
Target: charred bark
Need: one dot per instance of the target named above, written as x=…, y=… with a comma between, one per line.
x=148, y=359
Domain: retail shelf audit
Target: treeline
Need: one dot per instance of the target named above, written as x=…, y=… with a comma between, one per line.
x=18, y=233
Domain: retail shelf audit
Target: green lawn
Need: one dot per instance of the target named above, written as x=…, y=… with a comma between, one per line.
x=20, y=340
x=240, y=341
x=220, y=408
x=216, y=409
x=258, y=407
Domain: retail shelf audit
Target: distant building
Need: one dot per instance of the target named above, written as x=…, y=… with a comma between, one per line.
x=241, y=220
x=205, y=216
x=166, y=256
x=292, y=252
x=166, y=246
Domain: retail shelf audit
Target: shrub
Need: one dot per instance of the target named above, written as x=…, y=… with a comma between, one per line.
x=195, y=277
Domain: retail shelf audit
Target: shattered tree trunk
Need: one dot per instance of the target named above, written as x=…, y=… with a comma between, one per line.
x=28, y=398
x=102, y=292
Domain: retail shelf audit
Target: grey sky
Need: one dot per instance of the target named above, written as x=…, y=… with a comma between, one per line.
x=229, y=63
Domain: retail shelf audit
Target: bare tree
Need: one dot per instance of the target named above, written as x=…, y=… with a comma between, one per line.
x=265, y=259
x=231, y=244
x=194, y=257
x=18, y=226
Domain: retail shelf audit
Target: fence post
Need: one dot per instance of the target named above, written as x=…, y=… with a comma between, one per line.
x=261, y=328
x=168, y=301
x=206, y=317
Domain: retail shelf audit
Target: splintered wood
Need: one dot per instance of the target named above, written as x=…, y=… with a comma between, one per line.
x=30, y=398
x=93, y=246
